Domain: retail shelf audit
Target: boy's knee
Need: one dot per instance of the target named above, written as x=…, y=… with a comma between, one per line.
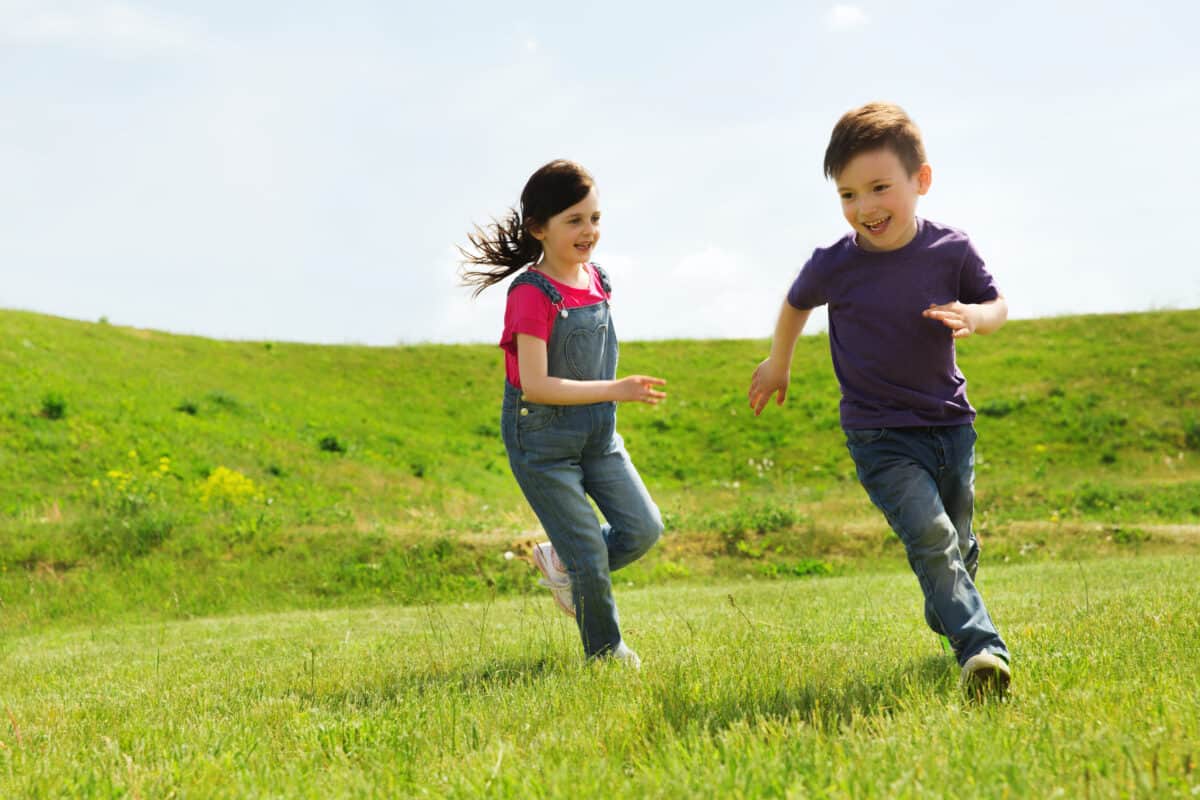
x=932, y=539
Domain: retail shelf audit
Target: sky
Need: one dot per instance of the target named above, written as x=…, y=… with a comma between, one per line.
x=304, y=171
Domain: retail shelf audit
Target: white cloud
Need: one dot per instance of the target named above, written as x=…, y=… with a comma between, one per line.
x=116, y=28
x=844, y=18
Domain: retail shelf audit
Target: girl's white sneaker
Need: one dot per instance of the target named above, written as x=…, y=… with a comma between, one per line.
x=554, y=577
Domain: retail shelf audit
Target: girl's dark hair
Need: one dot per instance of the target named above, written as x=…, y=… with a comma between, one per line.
x=507, y=245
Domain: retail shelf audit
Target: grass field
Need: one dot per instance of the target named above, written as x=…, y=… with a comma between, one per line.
x=827, y=687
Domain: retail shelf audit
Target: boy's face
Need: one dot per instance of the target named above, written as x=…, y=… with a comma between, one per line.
x=879, y=198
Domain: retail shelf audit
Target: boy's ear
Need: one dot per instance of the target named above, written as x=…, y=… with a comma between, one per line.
x=924, y=178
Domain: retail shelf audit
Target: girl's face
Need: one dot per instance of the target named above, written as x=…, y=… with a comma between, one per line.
x=569, y=237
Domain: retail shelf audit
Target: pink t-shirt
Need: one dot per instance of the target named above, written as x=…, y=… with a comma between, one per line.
x=529, y=311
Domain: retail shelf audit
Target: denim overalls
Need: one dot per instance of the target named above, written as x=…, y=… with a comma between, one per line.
x=561, y=454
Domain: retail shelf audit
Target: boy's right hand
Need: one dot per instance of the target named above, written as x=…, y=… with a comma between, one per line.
x=768, y=379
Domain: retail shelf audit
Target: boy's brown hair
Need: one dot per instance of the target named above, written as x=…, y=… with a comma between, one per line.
x=871, y=127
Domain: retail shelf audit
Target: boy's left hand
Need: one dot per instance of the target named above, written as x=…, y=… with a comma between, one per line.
x=956, y=316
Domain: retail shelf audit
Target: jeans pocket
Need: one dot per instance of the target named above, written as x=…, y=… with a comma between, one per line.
x=533, y=417
x=861, y=436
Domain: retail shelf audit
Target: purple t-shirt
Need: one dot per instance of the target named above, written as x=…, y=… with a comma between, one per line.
x=896, y=368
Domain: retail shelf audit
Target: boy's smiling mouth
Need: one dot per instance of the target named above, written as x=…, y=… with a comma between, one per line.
x=877, y=227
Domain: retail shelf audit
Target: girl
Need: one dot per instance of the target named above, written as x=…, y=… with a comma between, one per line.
x=558, y=419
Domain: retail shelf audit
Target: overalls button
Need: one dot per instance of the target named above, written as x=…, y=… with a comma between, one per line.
x=524, y=412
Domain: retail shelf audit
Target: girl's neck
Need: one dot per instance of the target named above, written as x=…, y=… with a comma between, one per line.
x=575, y=275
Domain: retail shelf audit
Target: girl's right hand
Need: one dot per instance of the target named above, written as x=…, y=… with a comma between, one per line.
x=639, y=389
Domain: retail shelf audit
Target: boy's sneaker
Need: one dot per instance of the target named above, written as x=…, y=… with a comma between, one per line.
x=554, y=577
x=985, y=675
x=623, y=654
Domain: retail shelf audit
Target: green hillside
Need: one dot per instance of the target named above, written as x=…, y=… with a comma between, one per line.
x=162, y=476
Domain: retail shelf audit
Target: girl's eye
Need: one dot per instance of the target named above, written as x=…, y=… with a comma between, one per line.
x=883, y=187
x=847, y=196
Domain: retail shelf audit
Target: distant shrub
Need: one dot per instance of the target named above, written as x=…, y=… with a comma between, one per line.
x=736, y=526
x=228, y=488
x=1128, y=536
x=1191, y=433
x=136, y=512
x=811, y=566
x=805, y=567
x=331, y=444
x=225, y=400
x=54, y=406
x=998, y=408
x=187, y=407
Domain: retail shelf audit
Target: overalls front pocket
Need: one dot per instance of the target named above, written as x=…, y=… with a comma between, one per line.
x=585, y=348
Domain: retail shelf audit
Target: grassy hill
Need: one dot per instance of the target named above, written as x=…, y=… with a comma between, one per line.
x=161, y=476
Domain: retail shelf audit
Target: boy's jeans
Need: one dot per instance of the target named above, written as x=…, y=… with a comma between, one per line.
x=923, y=480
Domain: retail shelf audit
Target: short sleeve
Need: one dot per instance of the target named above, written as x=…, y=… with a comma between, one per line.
x=975, y=283
x=528, y=311
x=809, y=289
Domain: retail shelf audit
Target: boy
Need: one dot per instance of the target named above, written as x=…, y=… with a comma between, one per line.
x=900, y=291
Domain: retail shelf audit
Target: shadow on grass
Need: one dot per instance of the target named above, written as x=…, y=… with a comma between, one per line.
x=690, y=705
x=495, y=674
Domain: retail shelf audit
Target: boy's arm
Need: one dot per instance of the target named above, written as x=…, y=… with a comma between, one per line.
x=968, y=318
x=538, y=387
x=774, y=374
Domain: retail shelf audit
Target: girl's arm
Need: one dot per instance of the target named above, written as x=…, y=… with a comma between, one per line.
x=538, y=387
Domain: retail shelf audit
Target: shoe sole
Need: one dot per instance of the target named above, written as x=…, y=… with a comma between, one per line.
x=540, y=561
x=990, y=679
x=554, y=587
x=563, y=606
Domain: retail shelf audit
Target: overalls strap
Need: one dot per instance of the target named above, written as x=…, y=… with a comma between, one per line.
x=603, y=279
x=540, y=281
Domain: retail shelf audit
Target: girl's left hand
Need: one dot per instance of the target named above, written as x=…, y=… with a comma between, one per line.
x=640, y=389
x=956, y=316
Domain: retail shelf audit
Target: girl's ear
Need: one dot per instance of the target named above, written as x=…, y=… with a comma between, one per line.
x=536, y=231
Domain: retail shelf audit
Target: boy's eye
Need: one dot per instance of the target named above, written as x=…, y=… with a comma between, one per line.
x=883, y=187
x=847, y=195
